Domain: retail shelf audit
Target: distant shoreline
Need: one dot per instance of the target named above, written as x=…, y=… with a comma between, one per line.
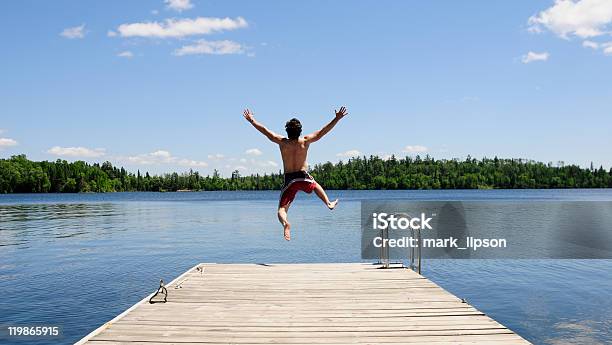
x=336, y=190
x=20, y=175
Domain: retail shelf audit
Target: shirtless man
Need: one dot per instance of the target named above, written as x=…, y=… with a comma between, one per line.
x=294, y=150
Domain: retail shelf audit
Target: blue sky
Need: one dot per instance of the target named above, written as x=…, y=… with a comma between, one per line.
x=160, y=86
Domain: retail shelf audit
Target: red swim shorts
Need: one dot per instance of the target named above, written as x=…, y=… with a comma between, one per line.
x=289, y=193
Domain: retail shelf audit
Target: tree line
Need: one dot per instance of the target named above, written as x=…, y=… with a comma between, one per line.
x=20, y=175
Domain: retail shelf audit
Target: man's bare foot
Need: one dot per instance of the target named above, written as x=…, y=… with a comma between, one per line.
x=332, y=204
x=287, y=227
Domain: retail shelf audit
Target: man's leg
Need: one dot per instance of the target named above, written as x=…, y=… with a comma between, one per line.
x=323, y=196
x=282, y=218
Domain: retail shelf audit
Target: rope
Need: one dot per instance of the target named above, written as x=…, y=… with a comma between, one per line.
x=160, y=290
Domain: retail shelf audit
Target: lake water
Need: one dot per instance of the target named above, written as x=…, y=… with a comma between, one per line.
x=79, y=260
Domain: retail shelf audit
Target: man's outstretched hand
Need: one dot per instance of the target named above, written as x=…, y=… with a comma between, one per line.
x=248, y=115
x=341, y=113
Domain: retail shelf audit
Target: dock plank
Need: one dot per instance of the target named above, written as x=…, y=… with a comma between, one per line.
x=346, y=303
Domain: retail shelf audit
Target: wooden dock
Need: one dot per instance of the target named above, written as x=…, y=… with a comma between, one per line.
x=354, y=303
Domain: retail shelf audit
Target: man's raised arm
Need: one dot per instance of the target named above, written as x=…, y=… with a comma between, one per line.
x=311, y=138
x=261, y=128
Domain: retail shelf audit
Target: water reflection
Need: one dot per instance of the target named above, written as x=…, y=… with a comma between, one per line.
x=33, y=222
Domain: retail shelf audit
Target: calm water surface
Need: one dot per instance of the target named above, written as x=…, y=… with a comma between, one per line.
x=78, y=260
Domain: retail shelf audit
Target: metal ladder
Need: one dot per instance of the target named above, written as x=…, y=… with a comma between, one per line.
x=414, y=256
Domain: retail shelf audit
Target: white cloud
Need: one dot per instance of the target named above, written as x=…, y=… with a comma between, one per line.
x=582, y=18
x=192, y=163
x=263, y=164
x=253, y=152
x=532, y=56
x=126, y=54
x=266, y=164
x=349, y=153
x=246, y=165
x=74, y=32
x=76, y=152
x=414, y=149
x=607, y=48
x=148, y=158
x=178, y=28
x=164, y=157
x=216, y=156
x=7, y=142
x=178, y=5
x=161, y=153
x=590, y=44
x=210, y=47
x=253, y=166
x=467, y=99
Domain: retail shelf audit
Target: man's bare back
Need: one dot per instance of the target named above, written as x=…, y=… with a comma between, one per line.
x=294, y=151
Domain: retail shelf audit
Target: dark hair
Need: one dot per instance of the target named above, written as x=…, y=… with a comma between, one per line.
x=293, y=128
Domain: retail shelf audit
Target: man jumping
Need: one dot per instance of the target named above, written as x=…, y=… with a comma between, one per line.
x=294, y=151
